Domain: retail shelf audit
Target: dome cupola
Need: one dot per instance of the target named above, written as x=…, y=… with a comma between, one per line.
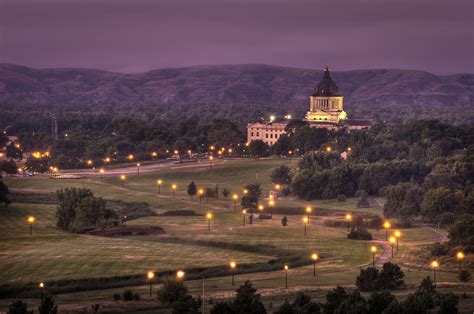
x=326, y=87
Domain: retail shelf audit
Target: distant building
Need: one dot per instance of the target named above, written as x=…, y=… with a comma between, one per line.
x=326, y=110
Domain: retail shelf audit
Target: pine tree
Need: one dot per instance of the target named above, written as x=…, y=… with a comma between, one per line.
x=192, y=189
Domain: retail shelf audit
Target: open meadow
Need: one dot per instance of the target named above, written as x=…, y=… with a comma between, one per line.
x=72, y=264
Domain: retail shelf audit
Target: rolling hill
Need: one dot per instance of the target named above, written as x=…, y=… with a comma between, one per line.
x=228, y=84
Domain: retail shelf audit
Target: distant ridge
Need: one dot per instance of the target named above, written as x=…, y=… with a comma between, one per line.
x=228, y=84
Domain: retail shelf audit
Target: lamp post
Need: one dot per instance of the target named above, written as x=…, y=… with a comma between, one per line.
x=398, y=234
x=434, y=265
x=235, y=197
x=373, y=249
x=386, y=226
x=180, y=275
x=392, y=241
x=314, y=258
x=138, y=168
x=210, y=161
x=200, y=194
x=130, y=157
x=107, y=161
x=286, y=276
x=271, y=203
x=348, y=219
x=159, y=182
x=101, y=171
x=41, y=286
x=174, y=187
x=260, y=208
x=308, y=211
x=244, y=214
x=460, y=257
x=209, y=218
x=277, y=187
x=89, y=162
x=232, y=267
x=305, y=220
x=31, y=220
x=122, y=180
x=150, y=275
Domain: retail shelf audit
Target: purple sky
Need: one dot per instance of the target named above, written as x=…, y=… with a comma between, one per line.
x=139, y=35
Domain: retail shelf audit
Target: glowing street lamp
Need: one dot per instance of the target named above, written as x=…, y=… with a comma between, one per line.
x=130, y=157
x=349, y=149
x=246, y=191
x=392, y=241
x=31, y=220
x=308, y=211
x=209, y=218
x=386, y=226
x=271, y=203
x=211, y=158
x=460, y=258
x=138, y=168
x=434, y=265
x=235, y=197
x=89, y=162
x=201, y=194
x=277, y=187
x=180, y=274
x=150, y=275
x=348, y=219
x=260, y=208
x=154, y=154
x=244, y=214
x=41, y=286
x=373, y=249
x=286, y=276
x=328, y=149
x=272, y=118
x=232, y=267
x=159, y=182
x=101, y=171
x=122, y=180
x=305, y=220
x=314, y=258
x=398, y=234
x=174, y=187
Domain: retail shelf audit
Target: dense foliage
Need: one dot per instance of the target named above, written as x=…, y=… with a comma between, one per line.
x=78, y=209
x=4, y=194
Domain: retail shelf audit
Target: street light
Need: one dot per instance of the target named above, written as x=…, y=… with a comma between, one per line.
x=209, y=218
x=348, y=219
x=271, y=203
x=41, y=286
x=200, y=193
x=31, y=220
x=89, y=162
x=460, y=257
x=305, y=220
x=328, y=149
x=246, y=191
x=244, y=213
x=235, y=197
x=392, y=241
x=101, y=171
x=314, y=258
x=398, y=234
x=210, y=161
x=138, y=168
x=159, y=182
x=277, y=187
x=286, y=276
x=373, y=249
x=232, y=267
x=308, y=211
x=180, y=274
x=122, y=180
x=434, y=265
x=150, y=275
x=130, y=157
x=386, y=226
x=174, y=187
x=260, y=208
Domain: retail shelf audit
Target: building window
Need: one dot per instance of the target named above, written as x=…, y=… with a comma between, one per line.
x=251, y=134
x=258, y=134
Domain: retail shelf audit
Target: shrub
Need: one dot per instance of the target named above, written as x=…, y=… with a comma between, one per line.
x=341, y=198
x=354, y=303
x=127, y=295
x=359, y=234
x=333, y=299
x=368, y=279
x=172, y=291
x=439, y=249
x=117, y=297
x=136, y=297
x=47, y=306
x=448, y=303
x=284, y=221
x=180, y=212
x=18, y=307
x=464, y=275
x=391, y=276
x=379, y=301
x=187, y=305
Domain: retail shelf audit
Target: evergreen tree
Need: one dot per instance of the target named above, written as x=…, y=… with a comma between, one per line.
x=334, y=298
x=284, y=221
x=19, y=307
x=4, y=192
x=47, y=306
x=379, y=301
x=247, y=300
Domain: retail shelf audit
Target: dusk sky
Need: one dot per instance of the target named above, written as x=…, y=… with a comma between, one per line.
x=140, y=35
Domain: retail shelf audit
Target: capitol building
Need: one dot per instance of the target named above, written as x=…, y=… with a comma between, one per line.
x=326, y=110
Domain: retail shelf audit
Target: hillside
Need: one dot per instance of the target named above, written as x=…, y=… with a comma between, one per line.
x=228, y=84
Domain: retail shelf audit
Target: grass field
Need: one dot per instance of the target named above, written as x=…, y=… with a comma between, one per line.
x=51, y=254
